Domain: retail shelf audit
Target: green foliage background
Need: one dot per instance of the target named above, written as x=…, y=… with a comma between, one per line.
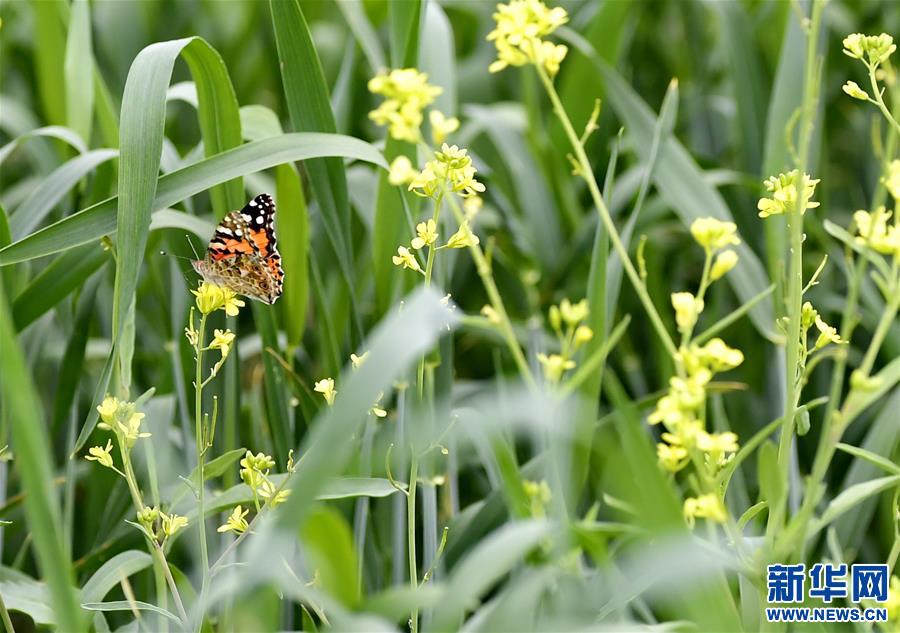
x=100, y=147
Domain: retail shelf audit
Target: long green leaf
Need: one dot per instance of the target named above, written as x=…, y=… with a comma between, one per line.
x=94, y=222
x=309, y=106
x=112, y=572
x=53, y=188
x=33, y=461
x=79, y=70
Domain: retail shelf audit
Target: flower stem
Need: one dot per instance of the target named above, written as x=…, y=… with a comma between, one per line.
x=487, y=279
x=198, y=432
x=411, y=535
x=587, y=173
x=795, y=268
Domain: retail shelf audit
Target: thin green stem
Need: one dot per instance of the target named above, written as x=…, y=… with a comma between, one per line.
x=198, y=433
x=411, y=535
x=587, y=173
x=483, y=268
x=879, y=101
x=795, y=266
x=4, y=615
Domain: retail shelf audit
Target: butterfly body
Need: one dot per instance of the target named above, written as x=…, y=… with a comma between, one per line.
x=242, y=254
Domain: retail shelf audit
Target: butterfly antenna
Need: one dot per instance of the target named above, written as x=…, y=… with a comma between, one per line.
x=165, y=254
x=188, y=238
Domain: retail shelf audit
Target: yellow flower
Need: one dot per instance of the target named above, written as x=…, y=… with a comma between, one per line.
x=554, y=366
x=717, y=445
x=717, y=356
x=672, y=458
x=236, y=522
x=707, y=506
x=147, y=516
x=827, y=334
x=492, y=316
x=724, y=262
x=784, y=194
x=808, y=315
x=876, y=47
x=472, y=205
x=254, y=468
x=101, y=455
x=407, y=93
x=892, y=180
x=451, y=170
x=713, y=234
x=326, y=388
x=171, y=523
x=463, y=237
x=687, y=309
x=270, y=492
x=893, y=603
x=583, y=334
x=441, y=126
x=209, y=297
x=853, y=89
x=539, y=496
x=131, y=428
x=402, y=171
x=405, y=259
x=107, y=410
x=520, y=25
x=426, y=234
x=230, y=302
x=222, y=341
x=874, y=231
x=357, y=361
x=573, y=314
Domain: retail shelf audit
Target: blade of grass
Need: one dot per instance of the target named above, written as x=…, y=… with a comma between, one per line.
x=79, y=70
x=34, y=463
x=100, y=219
x=309, y=106
x=54, y=188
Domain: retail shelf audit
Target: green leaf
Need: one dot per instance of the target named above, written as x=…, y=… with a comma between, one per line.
x=51, y=131
x=293, y=234
x=873, y=458
x=485, y=564
x=23, y=593
x=54, y=188
x=100, y=219
x=771, y=485
x=112, y=572
x=850, y=498
x=355, y=15
x=55, y=282
x=309, y=106
x=49, y=53
x=681, y=183
x=328, y=543
x=79, y=70
x=280, y=423
x=34, y=464
x=130, y=606
x=858, y=401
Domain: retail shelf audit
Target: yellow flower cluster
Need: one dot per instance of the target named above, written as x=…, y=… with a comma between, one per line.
x=683, y=409
x=874, y=232
x=451, y=170
x=520, y=25
x=407, y=93
x=707, y=506
x=211, y=297
x=255, y=473
x=714, y=235
x=566, y=319
x=539, y=495
x=123, y=419
x=785, y=198
x=892, y=180
x=168, y=524
x=872, y=49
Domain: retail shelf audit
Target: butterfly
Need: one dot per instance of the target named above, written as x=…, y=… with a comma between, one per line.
x=242, y=254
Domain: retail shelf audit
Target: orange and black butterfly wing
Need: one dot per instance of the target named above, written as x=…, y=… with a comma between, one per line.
x=259, y=214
